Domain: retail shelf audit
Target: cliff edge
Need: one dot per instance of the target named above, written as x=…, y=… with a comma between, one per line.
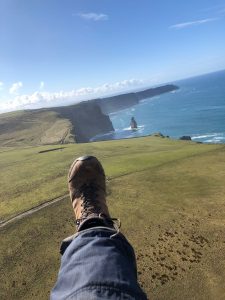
x=112, y=104
x=59, y=125
x=87, y=120
x=68, y=124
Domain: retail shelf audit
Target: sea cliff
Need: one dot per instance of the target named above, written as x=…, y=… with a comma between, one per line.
x=87, y=120
x=112, y=104
x=68, y=124
x=57, y=125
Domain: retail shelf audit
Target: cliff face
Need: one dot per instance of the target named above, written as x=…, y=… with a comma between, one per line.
x=112, y=104
x=156, y=91
x=87, y=120
x=75, y=123
x=60, y=125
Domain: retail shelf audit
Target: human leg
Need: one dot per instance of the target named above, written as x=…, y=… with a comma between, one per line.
x=97, y=262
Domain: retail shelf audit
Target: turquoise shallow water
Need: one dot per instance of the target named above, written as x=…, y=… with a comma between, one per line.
x=196, y=109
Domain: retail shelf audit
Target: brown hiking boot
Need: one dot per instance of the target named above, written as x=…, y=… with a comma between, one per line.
x=87, y=188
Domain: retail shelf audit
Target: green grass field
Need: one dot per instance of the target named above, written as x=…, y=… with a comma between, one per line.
x=168, y=194
x=33, y=127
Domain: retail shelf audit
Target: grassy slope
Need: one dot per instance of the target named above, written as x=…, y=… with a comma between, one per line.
x=169, y=196
x=38, y=177
x=33, y=127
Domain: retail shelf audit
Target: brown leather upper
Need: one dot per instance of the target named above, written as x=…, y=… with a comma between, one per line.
x=86, y=180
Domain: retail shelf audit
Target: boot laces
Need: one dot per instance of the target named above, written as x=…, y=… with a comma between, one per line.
x=90, y=205
x=89, y=194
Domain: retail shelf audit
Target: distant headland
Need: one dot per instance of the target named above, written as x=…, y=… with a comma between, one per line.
x=76, y=123
x=115, y=103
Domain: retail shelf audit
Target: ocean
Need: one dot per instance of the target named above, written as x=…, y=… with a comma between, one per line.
x=197, y=109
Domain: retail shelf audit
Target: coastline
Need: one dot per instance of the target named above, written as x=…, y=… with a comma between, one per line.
x=197, y=110
x=105, y=137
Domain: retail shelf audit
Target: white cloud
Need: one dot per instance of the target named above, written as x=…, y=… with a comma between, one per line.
x=1, y=85
x=220, y=8
x=42, y=85
x=193, y=23
x=45, y=99
x=15, y=88
x=93, y=16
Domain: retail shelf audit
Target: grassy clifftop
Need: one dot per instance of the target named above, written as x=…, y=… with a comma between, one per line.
x=39, y=177
x=68, y=124
x=61, y=125
x=168, y=194
x=34, y=127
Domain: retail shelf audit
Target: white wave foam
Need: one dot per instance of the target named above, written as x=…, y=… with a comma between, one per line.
x=149, y=99
x=204, y=136
x=213, y=138
x=129, y=128
x=212, y=141
x=126, y=128
x=219, y=138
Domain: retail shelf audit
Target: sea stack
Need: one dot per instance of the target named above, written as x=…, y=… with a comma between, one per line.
x=133, y=123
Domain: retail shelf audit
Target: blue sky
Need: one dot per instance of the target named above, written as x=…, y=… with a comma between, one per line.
x=55, y=52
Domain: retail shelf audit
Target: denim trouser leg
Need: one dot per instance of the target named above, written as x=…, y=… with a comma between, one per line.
x=99, y=263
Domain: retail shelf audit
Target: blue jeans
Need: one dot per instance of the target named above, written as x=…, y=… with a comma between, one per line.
x=98, y=263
